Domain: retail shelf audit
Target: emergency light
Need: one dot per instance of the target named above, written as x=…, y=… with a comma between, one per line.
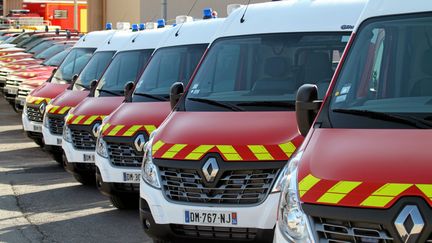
x=207, y=12
x=161, y=23
x=142, y=26
x=183, y=19
x=135, y=28
x=108, y=26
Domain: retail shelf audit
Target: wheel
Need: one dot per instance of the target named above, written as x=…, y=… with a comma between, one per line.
x=58, y=157
x=124, y=201
x=39, y=141
x=84, y=179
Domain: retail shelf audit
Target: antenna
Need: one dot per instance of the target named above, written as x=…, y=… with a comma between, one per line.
x=242, y=20
x=188, y=14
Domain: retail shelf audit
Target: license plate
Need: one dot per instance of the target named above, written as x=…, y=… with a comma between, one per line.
x=12, y=91
x=210, y=218
x=37, y=128
x=59, y=141
x=131, y=177
x=88, y=157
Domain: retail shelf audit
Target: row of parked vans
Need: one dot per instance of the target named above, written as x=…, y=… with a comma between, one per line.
x=194, y=123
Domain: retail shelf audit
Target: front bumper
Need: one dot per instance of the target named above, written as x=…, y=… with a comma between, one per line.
x=31, y=126
x=77, y=156
x=278, y=237
x=114, y=174
x=51, y=139
x=10, y=92
x=165, y=212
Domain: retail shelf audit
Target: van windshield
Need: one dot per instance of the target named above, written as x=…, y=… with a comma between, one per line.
x=124, y=68
x=73, y=64
x=386, y=81
x=57, y=59
x=263, y=72
x=51, y=51
x=41, y=47
x=168, y=65
x=94, y=69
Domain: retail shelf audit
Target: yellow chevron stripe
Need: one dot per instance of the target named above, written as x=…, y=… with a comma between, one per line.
x=307, y=183
x=199, y=151
x=175, y=149
x=288, y=148
x=53, y=109
x=105, y=127
x=338, y=192
x=150, y=128
x=90, y=120
x=260, y=152
x=229, y=152
x=132, y=130
x=157, y=146
x=385, y=194
x=78, y=119
x=69, y=118
x=63, y=110
x=426, y=189
x=115, y=130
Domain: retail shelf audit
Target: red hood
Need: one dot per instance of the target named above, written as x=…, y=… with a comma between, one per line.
x=249, y=136
x=34, y=72
x=366, y=168
x=92, y=109
x=49, y=90
x=134, y=117
x=66, y=101
x=15, y=56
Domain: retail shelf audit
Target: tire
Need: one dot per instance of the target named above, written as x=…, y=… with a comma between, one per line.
x=39, y=141
x=58, y=157
x=84, y=179
x=124, y=201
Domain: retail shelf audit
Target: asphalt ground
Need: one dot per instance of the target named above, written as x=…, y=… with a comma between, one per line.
x=40, y=202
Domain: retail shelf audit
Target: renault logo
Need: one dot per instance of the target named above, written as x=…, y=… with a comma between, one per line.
x=409, y=224
x=210, y=169
x=139, y=143
x=95, y=129
x=42, y=108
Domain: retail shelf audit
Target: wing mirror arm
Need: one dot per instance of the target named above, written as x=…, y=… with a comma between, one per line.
x=93, y=86
x=52, y=75
x=307, y=107
x=128, y=91
x=176, y=92
x=74, y=79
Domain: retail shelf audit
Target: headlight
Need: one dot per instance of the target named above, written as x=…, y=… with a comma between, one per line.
x=67, y=134
x=149, y=171
x=46, y=121
x=101, y=147
x=25, y=109
x=292, y=221
x=280, y=181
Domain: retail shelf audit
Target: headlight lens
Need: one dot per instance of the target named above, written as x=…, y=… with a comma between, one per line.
x=46, y=121
x=101, y=147
x=292, y=221
x=25, y=109
x=281, y=180
x=67, y=134
x=149, y=171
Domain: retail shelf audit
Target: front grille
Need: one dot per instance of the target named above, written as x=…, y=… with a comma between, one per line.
x=83, y=140
x=124, y=155
x=13, y=82
x=233, y=187
x=218, y=233
x=330, y=230
x=56, y=125
x=3, y=76
x=34, y=114
x=23, y=92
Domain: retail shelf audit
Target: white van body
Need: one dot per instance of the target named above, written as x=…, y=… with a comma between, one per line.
x=285, y=17
x=91, y=40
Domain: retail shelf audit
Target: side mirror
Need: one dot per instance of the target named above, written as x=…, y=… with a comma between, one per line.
x=93, y=86
x=307, y=107
x=74, y=79
x=176, y=92
x=52, y=75
x=128, y=90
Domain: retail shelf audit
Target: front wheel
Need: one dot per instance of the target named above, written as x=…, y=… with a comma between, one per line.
x=124, y=201
x=84, y=179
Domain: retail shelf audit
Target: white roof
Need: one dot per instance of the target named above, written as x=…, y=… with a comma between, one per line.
x=94, y=39
x=116, y=41
x=293, y=16
x=376, y=8
x=197, y=32
x=146, y=39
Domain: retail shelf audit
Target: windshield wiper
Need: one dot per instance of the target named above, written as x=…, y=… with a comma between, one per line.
x=217, y=103
x=109, y=92
x=408, y=120
x=155, y=97
x=286, y=104
x=83, y=86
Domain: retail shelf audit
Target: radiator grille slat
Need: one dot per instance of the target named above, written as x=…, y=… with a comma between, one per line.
x=83, y=140
x=124, y=155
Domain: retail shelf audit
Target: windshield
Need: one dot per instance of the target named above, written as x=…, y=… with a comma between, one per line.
x=41, y=47
x=33, y=43
x=20, y=38
x=263, y=72
x=388, y=71
x=51, y=51
x=94, y=69
x=73, y=64
x=168, y=65
x=57, y=59
x=125, y=67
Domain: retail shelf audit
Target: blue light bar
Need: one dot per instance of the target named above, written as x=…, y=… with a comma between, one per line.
x=142, y=26
x=135, y=27
x=207, y=12
x=161, y=23
x=108, y=26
